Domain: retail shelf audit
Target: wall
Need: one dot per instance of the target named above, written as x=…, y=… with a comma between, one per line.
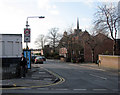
x=11, y=45
x=109, y=61
x=10, y=67
x=10, y=53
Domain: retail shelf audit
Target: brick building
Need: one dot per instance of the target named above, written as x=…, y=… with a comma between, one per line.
x=100, y=44
x=81, y=46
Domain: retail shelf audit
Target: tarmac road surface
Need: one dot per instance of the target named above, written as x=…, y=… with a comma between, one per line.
x=74, y=79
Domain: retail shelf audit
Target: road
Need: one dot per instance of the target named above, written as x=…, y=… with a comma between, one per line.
x=76, y=79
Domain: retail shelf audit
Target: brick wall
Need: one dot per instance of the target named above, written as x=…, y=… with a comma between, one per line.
x=109, y=61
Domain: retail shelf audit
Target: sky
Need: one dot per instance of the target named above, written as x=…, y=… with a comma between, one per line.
x=58, y=13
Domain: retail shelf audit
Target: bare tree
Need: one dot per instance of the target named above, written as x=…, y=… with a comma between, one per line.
x=54, y=37
x=40, y=41
x=106, y=20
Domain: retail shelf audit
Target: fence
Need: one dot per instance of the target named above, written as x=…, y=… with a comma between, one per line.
x=10, y=68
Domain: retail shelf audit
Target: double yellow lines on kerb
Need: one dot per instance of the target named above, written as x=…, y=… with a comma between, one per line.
x=51, y=84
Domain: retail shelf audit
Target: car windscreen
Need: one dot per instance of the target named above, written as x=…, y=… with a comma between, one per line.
x=38, y=57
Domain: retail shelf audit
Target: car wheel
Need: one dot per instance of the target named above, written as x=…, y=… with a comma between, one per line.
x=41, y=62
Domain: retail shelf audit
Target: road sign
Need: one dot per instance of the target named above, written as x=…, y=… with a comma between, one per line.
x=27, y=34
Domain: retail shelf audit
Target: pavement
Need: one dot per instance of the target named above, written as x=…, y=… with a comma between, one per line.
x=35, y=77
x=94, y=65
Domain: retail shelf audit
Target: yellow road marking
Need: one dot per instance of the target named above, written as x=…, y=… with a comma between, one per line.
x=51, y=84
x=14, y=84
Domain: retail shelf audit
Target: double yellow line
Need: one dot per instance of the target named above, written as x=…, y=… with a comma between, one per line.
x=51, y=84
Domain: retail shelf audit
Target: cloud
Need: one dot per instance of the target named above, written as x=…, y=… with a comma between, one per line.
x=85, y=1
x=48, y=6
x=54, y=12
x=85, y=20
x=108, y=0
x=75, y=0
x=44, y=4
x=85, y=23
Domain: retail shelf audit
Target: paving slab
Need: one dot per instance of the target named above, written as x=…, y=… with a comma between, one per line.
x=34, y=77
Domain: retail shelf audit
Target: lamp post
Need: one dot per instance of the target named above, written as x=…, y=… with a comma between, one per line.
x=33, y=17
x=28, y=25
x=27, y=39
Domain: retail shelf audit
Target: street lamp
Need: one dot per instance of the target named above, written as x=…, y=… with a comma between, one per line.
x=33, y=17
x=27, y=39
x=28, y=25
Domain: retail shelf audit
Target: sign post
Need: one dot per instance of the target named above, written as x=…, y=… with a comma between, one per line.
x=27, y=52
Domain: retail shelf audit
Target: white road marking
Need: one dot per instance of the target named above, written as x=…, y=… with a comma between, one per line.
x=98, y=76
x=80, y=89
x=47, y=79
x=42, y=72
x=97, y=69
x=99, y=89
x=61, y=89
x=42, y=88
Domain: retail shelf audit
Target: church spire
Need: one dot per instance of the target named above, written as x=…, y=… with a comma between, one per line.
x=77, y=31
x=77, y=24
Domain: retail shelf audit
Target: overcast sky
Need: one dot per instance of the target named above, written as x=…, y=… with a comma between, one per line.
x=58, y=13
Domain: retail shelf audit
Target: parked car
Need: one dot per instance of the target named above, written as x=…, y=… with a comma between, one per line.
x=44, y=59
x=33, y=58
x=39, y=59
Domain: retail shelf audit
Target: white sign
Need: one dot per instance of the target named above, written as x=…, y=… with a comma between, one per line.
x=63, y=51
x=27, y=34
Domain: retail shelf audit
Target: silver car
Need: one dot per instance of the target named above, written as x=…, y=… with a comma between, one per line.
x=39, y=59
